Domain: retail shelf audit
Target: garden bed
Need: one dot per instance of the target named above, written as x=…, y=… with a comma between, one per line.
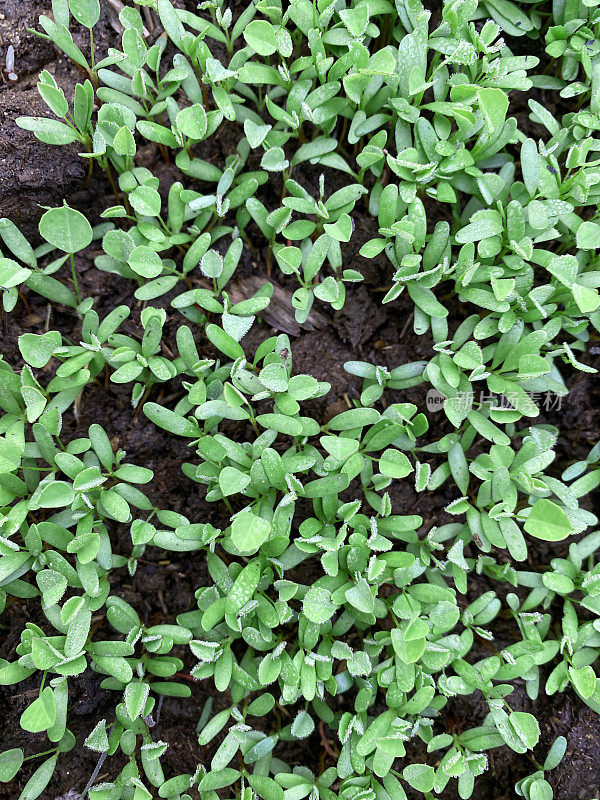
x=33, y=174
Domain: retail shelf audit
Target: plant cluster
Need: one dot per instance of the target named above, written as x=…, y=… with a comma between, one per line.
x=327, y=604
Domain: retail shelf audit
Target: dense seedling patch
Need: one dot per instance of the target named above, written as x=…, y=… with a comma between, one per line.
x=329, y=611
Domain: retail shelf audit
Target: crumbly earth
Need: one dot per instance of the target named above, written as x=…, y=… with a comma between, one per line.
x=33, y=175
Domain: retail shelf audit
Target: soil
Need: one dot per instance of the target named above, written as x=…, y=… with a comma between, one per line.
x=33, y=175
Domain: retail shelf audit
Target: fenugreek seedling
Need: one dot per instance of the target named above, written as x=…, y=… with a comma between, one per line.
x=356, y=132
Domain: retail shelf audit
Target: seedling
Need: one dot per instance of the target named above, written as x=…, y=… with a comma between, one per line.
x=330, y=611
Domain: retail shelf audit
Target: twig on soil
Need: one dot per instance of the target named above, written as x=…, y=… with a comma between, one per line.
x=117, y=6
x=24, y=299
x=406, y=324
x=325, y=741
x=77, y=406
x=184, y=677
x=149, y=21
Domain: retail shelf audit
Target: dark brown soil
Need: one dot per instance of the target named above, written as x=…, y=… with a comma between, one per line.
x=32, y=175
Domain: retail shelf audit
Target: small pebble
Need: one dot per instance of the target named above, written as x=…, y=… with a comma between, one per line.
x=10, y=59
x=10, y=64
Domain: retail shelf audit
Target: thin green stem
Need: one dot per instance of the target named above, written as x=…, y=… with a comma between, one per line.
x=43, y=753
x=74, y=274
x=92, y=49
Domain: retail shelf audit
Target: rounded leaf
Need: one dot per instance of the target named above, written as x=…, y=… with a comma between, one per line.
x=41, y=714
x=548, y=521
x=260, y=35
x=145, y=262
x=419, y=776
x=249, y=532
x=66, y=229
x=10, y=763
x=317, y=605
